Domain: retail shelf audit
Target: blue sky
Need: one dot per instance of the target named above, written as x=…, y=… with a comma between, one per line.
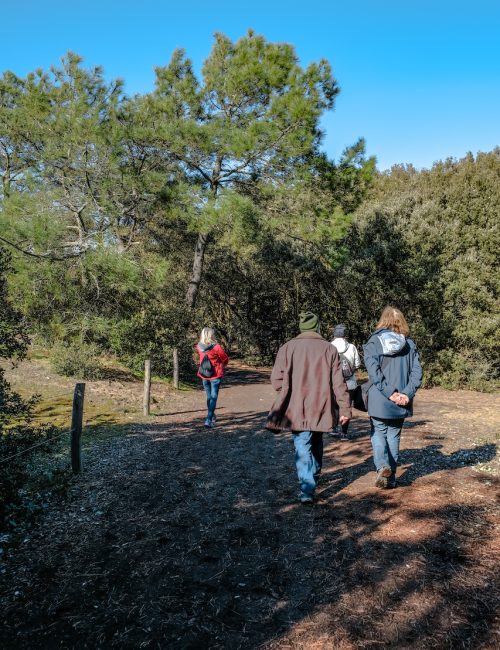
x=420, y=80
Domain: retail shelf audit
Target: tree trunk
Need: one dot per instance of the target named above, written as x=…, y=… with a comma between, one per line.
x=6, y=184
x=194, y=284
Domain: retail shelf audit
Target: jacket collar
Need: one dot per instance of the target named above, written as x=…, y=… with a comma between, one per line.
x=310, y=335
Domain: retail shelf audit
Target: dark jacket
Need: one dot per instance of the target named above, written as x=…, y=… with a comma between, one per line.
x=309, y=381
x=401, y=372
x=217, y=356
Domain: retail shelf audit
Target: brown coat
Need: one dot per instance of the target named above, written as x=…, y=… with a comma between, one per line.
x=310, y=384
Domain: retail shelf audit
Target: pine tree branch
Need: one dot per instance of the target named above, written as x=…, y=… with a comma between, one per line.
x=191, y=164
x=259, y=153
x=45, y=256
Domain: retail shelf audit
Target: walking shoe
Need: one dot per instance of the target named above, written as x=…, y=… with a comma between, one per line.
x=391, y=481
x=382, y=480
x=208, y=423
x=306, y=499
x=344, y=436
x=334, y=432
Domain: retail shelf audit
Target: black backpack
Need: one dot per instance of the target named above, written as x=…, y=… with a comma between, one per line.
x=206, y=368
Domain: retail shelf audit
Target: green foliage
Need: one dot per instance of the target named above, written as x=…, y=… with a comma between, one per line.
x=255, y=110
x=13, y=345
x=426, y=242
x=20, y=449
x=17, y=434
x=80, y=361
x=152, y=335
x=104, y=198
x=253, y=118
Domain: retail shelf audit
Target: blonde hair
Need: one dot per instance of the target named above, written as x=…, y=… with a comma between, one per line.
x=392, y=319
x=207, y=336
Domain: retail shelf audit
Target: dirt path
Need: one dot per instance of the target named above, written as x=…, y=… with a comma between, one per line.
x=176, y=537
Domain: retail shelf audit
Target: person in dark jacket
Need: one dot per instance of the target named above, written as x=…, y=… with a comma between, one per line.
x=311, y=391
x=213, y=361
x=395, y=374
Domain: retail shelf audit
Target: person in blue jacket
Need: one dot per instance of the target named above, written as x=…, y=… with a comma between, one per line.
x=395, y=374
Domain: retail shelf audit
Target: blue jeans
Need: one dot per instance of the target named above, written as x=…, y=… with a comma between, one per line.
x=385, y=437
x=211, y=387
x=308, y=459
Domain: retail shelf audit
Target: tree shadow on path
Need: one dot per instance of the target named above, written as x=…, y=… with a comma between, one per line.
x=191, y=539
x=245, y=376
x=427, y=460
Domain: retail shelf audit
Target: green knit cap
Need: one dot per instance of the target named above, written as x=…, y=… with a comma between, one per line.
x=308, y=321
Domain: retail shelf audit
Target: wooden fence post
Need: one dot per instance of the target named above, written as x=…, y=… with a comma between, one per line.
x=176, y=368
x=76, y=428
x=147, y=387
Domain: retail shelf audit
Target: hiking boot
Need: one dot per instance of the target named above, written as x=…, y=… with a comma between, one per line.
x=382, y=480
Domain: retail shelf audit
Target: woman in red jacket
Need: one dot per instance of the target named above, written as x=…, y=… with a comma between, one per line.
x=213, y=360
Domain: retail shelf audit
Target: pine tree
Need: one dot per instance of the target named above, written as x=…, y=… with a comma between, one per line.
x=254, y=116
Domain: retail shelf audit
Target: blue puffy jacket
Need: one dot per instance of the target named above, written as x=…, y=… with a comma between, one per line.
x=393, y=365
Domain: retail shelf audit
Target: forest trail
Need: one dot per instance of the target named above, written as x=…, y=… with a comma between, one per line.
x=179, y=537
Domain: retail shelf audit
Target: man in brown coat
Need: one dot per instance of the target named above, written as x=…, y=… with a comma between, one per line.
x=308, y=377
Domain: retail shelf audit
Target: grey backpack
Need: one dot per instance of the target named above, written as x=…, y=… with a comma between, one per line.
x=347, y=370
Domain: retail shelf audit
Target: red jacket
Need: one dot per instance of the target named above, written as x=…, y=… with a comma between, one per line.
x=218, y=358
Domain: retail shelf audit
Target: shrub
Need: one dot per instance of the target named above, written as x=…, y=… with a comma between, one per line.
x=20, y=450
x=17, y=434
x=80, y=361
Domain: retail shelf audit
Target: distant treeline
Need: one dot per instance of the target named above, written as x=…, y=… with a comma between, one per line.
x=134, y=221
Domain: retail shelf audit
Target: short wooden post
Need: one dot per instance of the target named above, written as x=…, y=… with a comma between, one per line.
x=176, y=368
x=76, y=428
x=147, y=387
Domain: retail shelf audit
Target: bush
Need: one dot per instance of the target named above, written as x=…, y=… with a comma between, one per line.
x=17, y=454
x=427, y=242
x=80, y=361
x=153, y=336
x=17, y=434
x=465, y=370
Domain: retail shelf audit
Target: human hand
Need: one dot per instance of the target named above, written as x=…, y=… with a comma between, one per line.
x=343, y=419
x=399, y=398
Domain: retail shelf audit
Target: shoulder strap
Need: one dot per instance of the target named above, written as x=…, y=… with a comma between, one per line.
x=207, y=349
x=342, y=355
